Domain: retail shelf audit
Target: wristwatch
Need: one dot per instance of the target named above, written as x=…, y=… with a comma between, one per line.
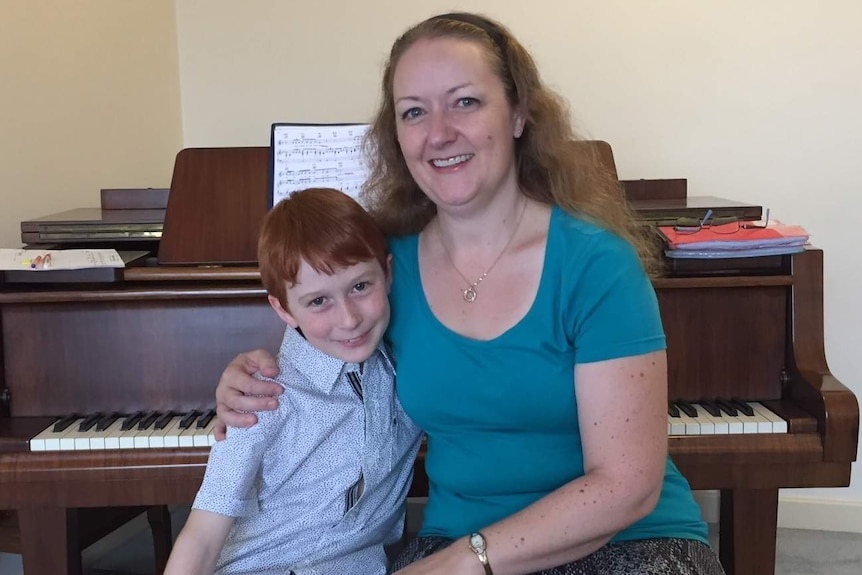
x=478, y=546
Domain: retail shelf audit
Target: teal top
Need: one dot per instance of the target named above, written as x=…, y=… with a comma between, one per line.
x=501, y=415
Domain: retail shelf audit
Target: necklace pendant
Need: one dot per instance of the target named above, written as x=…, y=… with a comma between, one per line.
x=470, y=295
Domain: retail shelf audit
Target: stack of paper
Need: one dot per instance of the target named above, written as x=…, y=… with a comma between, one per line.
x=734, y=241
x=45, y=260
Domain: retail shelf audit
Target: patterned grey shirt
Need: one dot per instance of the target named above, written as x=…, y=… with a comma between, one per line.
x=319, y=485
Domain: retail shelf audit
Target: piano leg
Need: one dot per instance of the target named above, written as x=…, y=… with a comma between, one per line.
x=747, y=531
x=159, y=518
x=49, y=541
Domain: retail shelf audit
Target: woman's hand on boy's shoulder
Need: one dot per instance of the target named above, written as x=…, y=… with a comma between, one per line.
x=239, y=392
x=251, y=362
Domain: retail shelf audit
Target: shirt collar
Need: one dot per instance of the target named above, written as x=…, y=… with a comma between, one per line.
x=386, y=352
x=320, y=369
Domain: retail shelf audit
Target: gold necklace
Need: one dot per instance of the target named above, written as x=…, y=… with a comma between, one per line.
x=470, y=294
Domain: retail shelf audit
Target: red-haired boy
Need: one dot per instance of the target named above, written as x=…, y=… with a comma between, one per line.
x=318, y=485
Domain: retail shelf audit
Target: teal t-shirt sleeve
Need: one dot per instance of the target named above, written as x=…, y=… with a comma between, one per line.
x=612, y=311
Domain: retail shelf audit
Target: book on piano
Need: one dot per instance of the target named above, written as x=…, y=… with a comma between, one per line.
x=733, y=240
x=43, y=266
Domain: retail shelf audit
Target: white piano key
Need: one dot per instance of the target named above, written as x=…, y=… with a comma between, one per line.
x=676, y=426
x=763, y=425
x=108, y=438
x=75, y=440
x=142, y=438
x=157, y=437
x=705, y=423
x=83, y=439
x=753, y=424
x=684, y=425
x=187, y=436
x=736, y=426
x=692, y=427
x=202, y=436
x=38, y=443
x=67, y=441
x=53, y=443
x=112, y=440
x=134, y=438
x=778, y=424
x=171, y=435
x=719, y=426
x=127, y=438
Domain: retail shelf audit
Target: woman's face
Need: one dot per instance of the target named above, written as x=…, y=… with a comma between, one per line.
x=455, y=126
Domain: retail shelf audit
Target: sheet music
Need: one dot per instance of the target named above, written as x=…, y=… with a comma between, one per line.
x=44, y=260
x=306, y=156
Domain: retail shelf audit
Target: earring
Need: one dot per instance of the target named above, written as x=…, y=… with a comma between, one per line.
x=518, y=132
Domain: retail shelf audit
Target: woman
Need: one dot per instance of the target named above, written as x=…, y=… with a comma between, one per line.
x=527, y=334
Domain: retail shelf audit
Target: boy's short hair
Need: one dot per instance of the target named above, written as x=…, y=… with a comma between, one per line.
x=325, y=227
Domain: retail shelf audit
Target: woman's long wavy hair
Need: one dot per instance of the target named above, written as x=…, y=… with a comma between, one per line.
x=552, y=167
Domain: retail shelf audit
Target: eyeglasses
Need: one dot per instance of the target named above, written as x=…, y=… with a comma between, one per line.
x=717, y=225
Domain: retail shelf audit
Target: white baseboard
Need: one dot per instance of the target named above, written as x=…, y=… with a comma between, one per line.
x=709, y=505
x=820, y=514
x=798, y=512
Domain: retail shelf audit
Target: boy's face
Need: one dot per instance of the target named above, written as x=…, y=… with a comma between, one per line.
x=344, y=314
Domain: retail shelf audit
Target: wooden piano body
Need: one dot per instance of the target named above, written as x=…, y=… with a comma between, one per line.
x=159, y=339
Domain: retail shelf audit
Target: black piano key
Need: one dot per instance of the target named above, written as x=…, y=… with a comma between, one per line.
x=107, y=421
x=64, y=423
x=742, y=406
x=188, y=419
x=710, y=407
x=131, y=420
x=686, y=408
x=205, y=419
x=672, y=410
x=164, y=420
x=89, y=422
x=726, y=407
x=148, y=420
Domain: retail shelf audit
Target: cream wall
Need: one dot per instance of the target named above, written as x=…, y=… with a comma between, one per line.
x=90, y=99
x=755, y=101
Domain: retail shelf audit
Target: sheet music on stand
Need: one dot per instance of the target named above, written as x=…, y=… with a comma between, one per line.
x=316, y=155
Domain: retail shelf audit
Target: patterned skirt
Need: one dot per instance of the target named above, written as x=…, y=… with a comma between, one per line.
x=645, y=557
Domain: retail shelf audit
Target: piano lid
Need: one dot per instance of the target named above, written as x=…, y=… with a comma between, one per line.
x=217, y=201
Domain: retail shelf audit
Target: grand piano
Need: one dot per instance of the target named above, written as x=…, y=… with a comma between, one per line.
x=156, y=337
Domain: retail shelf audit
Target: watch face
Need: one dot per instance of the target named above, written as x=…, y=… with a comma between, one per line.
x=477, y=542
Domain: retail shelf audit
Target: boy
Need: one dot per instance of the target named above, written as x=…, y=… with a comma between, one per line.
x=318, y=485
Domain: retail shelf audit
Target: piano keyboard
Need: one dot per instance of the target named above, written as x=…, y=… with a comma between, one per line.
x=722, y=417
x=139, y=430
x=195, y=429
